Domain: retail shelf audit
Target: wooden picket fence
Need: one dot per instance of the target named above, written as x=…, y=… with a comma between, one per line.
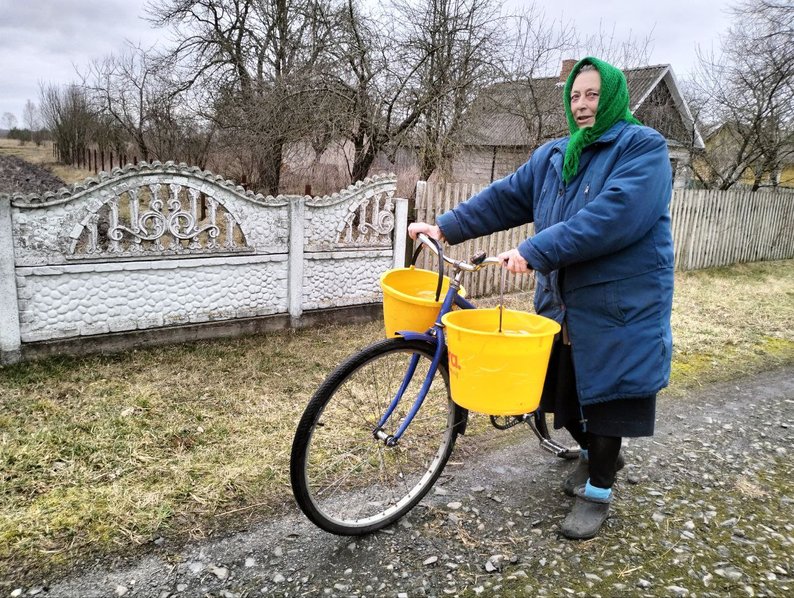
x=435, y=198
x=719, y=228
x=710, y=229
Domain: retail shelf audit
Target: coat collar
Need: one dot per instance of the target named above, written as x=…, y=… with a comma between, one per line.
x=558, y=150
x=608, y=137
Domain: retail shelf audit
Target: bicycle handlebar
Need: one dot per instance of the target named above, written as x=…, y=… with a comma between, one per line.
x=476, y=262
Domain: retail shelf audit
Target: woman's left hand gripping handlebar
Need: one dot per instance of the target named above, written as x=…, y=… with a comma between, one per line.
x=431, y=230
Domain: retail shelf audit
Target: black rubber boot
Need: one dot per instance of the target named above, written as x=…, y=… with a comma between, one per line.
x=581, y=473
x=586, y=517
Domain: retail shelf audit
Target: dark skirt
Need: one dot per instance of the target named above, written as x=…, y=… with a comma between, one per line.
x=620, y=417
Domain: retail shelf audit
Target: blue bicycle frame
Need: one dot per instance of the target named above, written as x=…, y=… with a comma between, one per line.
x=434, y=336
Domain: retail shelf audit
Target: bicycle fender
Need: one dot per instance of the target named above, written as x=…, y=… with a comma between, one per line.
x=412, y=335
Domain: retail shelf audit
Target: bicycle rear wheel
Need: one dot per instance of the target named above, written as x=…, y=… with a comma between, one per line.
x=345, y=479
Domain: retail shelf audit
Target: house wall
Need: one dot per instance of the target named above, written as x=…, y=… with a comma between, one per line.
x=787, y=177
x=483, y=165
x=660, y=112
x=722, y=147
x=681, y=163
x=785, y=180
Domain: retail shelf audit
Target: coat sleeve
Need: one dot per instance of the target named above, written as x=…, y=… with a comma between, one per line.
x=503, y=204
x=633, y=198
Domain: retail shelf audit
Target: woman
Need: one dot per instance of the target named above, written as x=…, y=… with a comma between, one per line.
x=603, y=257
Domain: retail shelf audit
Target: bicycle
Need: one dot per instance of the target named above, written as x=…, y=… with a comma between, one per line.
x=362, y=456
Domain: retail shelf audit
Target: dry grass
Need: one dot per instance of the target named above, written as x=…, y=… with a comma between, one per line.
x=732, y=321
x=102, y=453
x=114, y=450
x=42, y=156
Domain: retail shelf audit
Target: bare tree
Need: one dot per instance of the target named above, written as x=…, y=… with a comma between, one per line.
x=357, y=80
x=124, y=88
x=9, y=120
x=745, y=92
x=460, y=40
x=768, y=29
x=252, y=59
x=139, y=101
x=626, y=50
x=30, y=116
x=410, y=68
x=273, y=74
x=178, y=134
x=66, y=111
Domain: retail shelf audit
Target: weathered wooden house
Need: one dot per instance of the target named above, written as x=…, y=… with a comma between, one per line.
x=509, y=120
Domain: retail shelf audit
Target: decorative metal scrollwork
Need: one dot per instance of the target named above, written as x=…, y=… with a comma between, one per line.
x=367, y=222
x=139, y=220
x=153, y=224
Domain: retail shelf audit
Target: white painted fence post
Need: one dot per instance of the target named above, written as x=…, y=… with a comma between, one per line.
x=400, y=231
x=10, y=339
x=297, y=211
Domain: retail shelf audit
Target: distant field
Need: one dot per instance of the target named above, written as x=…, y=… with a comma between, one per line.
x=42, y=156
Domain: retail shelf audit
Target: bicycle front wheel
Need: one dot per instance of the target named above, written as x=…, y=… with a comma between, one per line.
x=345, y=479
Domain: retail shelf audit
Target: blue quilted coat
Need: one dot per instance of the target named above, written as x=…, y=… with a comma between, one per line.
x=608, y=232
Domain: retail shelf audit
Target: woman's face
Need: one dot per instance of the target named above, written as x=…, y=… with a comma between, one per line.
x=584, y=98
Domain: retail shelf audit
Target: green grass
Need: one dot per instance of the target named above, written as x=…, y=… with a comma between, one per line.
x=103, y=453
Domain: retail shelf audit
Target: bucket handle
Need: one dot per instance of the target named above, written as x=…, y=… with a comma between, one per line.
x=502, y=296
x=440, y=253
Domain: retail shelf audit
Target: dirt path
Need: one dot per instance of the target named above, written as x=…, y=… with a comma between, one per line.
x=703, y=509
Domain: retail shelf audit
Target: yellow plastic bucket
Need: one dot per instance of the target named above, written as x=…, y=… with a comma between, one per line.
x=409, y=299
x=498, y=373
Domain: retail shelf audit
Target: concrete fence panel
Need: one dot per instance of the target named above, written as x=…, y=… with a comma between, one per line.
x=164, y=246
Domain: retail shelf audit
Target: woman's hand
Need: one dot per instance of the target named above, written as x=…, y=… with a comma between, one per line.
x=430, y=230
x=513, y=261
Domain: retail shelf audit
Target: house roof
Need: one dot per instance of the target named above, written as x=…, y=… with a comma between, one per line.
x=529, y=112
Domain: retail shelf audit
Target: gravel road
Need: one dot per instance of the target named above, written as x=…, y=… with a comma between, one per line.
x=704, y=508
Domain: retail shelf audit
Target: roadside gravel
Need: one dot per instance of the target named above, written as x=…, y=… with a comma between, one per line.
x=704, y=508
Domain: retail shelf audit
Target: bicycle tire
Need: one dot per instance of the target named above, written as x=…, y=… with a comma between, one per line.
x=345, y=480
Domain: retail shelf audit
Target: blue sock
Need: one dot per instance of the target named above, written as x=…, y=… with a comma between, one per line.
x=584, y=455
x=591, y=491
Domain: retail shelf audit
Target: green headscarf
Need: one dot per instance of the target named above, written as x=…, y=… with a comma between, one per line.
x=613, y=106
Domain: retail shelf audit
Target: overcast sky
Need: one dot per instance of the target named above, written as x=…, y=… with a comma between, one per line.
x=43, y=40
